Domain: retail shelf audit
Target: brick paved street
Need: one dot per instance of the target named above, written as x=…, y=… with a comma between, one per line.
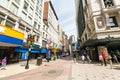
x=65, y=69
x=55, y=70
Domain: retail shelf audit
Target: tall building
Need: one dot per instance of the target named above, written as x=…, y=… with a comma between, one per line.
x=101, y=29
x=50, y=20
x=60, y=37
x=72, y=39
x=18, y=18
x=80, y=21
x=72, y=43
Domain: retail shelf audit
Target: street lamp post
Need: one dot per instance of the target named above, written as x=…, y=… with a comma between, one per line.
x=30, y=41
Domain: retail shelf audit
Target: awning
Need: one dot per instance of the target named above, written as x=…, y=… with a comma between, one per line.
x=43, y=50
x=10, y=41
x=105, y=41
x=24, y=50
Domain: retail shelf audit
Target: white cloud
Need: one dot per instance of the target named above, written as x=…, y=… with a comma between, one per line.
x=65, y=10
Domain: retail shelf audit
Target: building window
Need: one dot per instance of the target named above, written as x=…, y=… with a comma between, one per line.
x=17, y=1
x=21, y=28
x=24, y=16
x=39, y=27
x=32, y=2
x=39, y=18
x=46, y=35
x=25, y=5
x=30, y=20
x=37, y=39
x=43, y=34
x=108, y=3
x=1, y=20
x=14, y=8
x=113, y=22
x=40, y=12
x=37, y=8
x=36, y=15
x=10, y=24
x=4, y=3
x=35, y=25
x=46, y=29
x=43, y=27
x=30, y=10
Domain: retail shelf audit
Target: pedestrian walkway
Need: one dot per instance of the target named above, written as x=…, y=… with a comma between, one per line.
x=94, y=72
x=17, y=68
x=54, y=70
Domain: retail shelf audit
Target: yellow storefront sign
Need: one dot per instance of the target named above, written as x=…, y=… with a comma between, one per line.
x=55, y=50
x=4, y=30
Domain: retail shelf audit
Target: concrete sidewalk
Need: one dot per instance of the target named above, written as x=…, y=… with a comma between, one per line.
x=17, y=68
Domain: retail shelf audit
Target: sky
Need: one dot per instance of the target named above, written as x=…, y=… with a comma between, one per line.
x=65, y=10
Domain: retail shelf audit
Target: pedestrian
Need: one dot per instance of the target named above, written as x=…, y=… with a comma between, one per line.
x=101, y=59
x=104, y=58
x=109, y=58
x=115, y=58
x=74, y=57
x=4, y=61
x=88, y=58
x=48, y=55
x=83, y=59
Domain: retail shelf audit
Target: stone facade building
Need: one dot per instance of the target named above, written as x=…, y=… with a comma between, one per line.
x=101, y=27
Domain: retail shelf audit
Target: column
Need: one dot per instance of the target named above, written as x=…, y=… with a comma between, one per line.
x=118, y=18
x=16, y=26
x=95, y=23
x=4, y=20
x=102, y=4
x=107, y=21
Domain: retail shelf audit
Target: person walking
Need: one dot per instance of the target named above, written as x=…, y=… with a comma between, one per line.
x=115, y=58
x=101, y=59
x=83, y=59
x=4, y=61
x=104, y=58
x=88, y=58
x=74, y=57
x=109, y=58
x=48, y=55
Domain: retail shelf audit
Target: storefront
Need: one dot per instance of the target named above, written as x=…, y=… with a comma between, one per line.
x=96, y=46
x=23, y=53
x=9, y=38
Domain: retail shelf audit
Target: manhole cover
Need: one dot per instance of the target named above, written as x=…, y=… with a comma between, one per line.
x=52, y=71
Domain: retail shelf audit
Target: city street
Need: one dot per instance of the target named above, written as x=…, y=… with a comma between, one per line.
x=65, y=69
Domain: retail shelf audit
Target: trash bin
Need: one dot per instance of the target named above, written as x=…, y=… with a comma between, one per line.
x=39, y=61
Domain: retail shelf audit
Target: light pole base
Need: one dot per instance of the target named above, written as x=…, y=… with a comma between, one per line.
x=27, y=67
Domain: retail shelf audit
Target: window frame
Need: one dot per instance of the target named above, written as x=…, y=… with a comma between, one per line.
x=26, y=5
x=114, y=21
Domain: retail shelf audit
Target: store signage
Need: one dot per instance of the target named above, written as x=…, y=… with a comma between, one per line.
x=2, y=29
x=7, y=31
